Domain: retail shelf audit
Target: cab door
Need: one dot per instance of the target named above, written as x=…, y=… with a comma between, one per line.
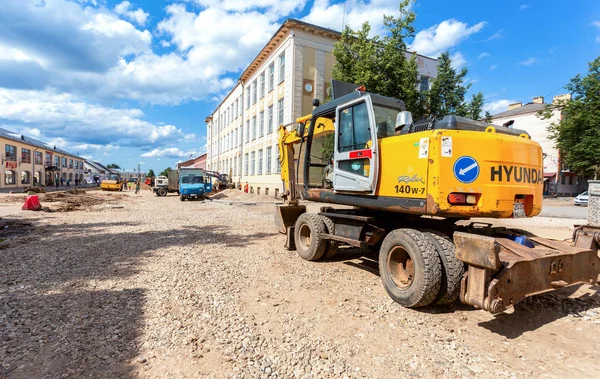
x=355, y=156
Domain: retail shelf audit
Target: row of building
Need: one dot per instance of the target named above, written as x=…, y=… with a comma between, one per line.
x=27, y=161
x=295, y=66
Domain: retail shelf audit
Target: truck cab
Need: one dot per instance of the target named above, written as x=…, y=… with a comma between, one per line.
x=193, y=184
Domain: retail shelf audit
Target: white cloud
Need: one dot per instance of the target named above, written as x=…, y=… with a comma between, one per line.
x=528, y=61
x=498, y=35
x=352, y=13
x=441, y=37
x=67, y=121
x=493, y=67
x=458, y=60
x=524, y=6
x=483, y=55
x=497, y=106
x=170, y=152
x=596, y=24
x=92, y=146
x=138, y=16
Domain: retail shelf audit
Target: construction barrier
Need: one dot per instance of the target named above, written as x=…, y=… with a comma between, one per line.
x=32, y=203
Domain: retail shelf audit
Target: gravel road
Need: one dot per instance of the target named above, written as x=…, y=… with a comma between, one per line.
x=158, y=288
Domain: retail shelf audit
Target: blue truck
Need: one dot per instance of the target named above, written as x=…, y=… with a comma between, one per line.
x=193, y=183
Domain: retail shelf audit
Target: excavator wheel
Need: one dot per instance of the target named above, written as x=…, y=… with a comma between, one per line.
x=309, y=244
x=332, y=246
x=452, y=269
x=161, y=192
x=410, y=268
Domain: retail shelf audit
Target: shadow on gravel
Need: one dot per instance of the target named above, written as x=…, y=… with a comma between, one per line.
x=537, y=311
x=52, y=321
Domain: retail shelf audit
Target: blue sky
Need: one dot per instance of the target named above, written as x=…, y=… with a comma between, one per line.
x=132, y=82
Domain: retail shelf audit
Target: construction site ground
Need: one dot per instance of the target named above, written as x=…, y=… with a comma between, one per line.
x=121, y=285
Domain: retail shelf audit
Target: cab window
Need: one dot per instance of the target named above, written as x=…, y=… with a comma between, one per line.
x=354, y=132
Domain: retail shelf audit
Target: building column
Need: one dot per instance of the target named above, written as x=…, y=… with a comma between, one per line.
x=319, y=78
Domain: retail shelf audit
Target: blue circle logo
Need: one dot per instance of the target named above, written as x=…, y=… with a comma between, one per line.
x=466, y=169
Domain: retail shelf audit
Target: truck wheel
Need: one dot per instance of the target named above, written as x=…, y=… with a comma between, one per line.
x=306, y=235
x=161, y=192
x=452, y=269
x=410, y=268
x=332, y=246
x=181, y=198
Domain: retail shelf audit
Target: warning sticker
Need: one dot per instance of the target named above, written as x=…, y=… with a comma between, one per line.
x=424, y=148
x=446, y=146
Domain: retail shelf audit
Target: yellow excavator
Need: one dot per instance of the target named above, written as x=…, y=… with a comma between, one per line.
x=401, y=187
x=113, y=182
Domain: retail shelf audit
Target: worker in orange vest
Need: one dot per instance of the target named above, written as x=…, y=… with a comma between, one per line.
x=246, y=187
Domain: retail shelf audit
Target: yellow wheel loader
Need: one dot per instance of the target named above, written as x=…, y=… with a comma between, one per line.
x=406, y=184
x=114, y=182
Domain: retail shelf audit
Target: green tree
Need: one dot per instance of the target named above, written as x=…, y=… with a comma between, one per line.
x=380, y=63
x=113, y=165
x=577, y=134
x=447, y=94
x=475, y=107
x=150, y=173
x=488, y=117
x=165, y=172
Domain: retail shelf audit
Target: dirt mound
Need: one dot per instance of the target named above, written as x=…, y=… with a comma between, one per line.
x=237, y=195
x=78, y=200
x=35, y=190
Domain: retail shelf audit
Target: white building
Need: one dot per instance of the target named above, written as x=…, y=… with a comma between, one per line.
x=558, y=179
x=278, y=86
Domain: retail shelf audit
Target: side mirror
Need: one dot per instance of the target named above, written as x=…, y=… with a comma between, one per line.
x=402, y=119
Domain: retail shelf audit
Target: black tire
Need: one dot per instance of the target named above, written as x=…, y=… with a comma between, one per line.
x=332, y=246
x=452, y=269
x=181, y=197
x=161, y=192
x=309, y=245
x=410, y=268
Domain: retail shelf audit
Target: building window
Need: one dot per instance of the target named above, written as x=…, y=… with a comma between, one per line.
x=252, y=162
x=70, y=163
x=247, y=131
x=261, y=124
x=253, y=127
x=271, y=76
x=9, y=177
x=278, y=166
x=25, y=155
x=280, y=112
x=240, y=165
x=76, y=165
x=241, y=104
x=268, y=159
x=562, y=179
x=11, y=153
x=248, y=99
x=48, y=159
x=262, y=85
x=254, y=92
x=246, y=164
x=39, y=157
x=235, y=109
x=260, y=161
x=57, y=161
x=64, y=162
x=570, y=180
x=240, y=138
x=25, y=177
x=270, y=120
x=424, y=84
x=281, y=67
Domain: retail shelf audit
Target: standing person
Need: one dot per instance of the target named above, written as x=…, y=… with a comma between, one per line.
x=68, y=182
x=56, y=182
x=76, y=182
x=137, y=186
x=62, y=181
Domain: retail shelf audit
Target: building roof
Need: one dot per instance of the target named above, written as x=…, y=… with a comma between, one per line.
x=190, y=161
x=527, y=108
x=100, y=167
x=5, y=133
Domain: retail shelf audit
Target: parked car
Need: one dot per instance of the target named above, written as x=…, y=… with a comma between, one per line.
x=582, y=199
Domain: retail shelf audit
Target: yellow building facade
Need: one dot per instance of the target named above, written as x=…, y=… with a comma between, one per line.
x=26, y=162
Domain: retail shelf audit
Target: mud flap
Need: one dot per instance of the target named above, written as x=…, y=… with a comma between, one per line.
x=502, y=272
